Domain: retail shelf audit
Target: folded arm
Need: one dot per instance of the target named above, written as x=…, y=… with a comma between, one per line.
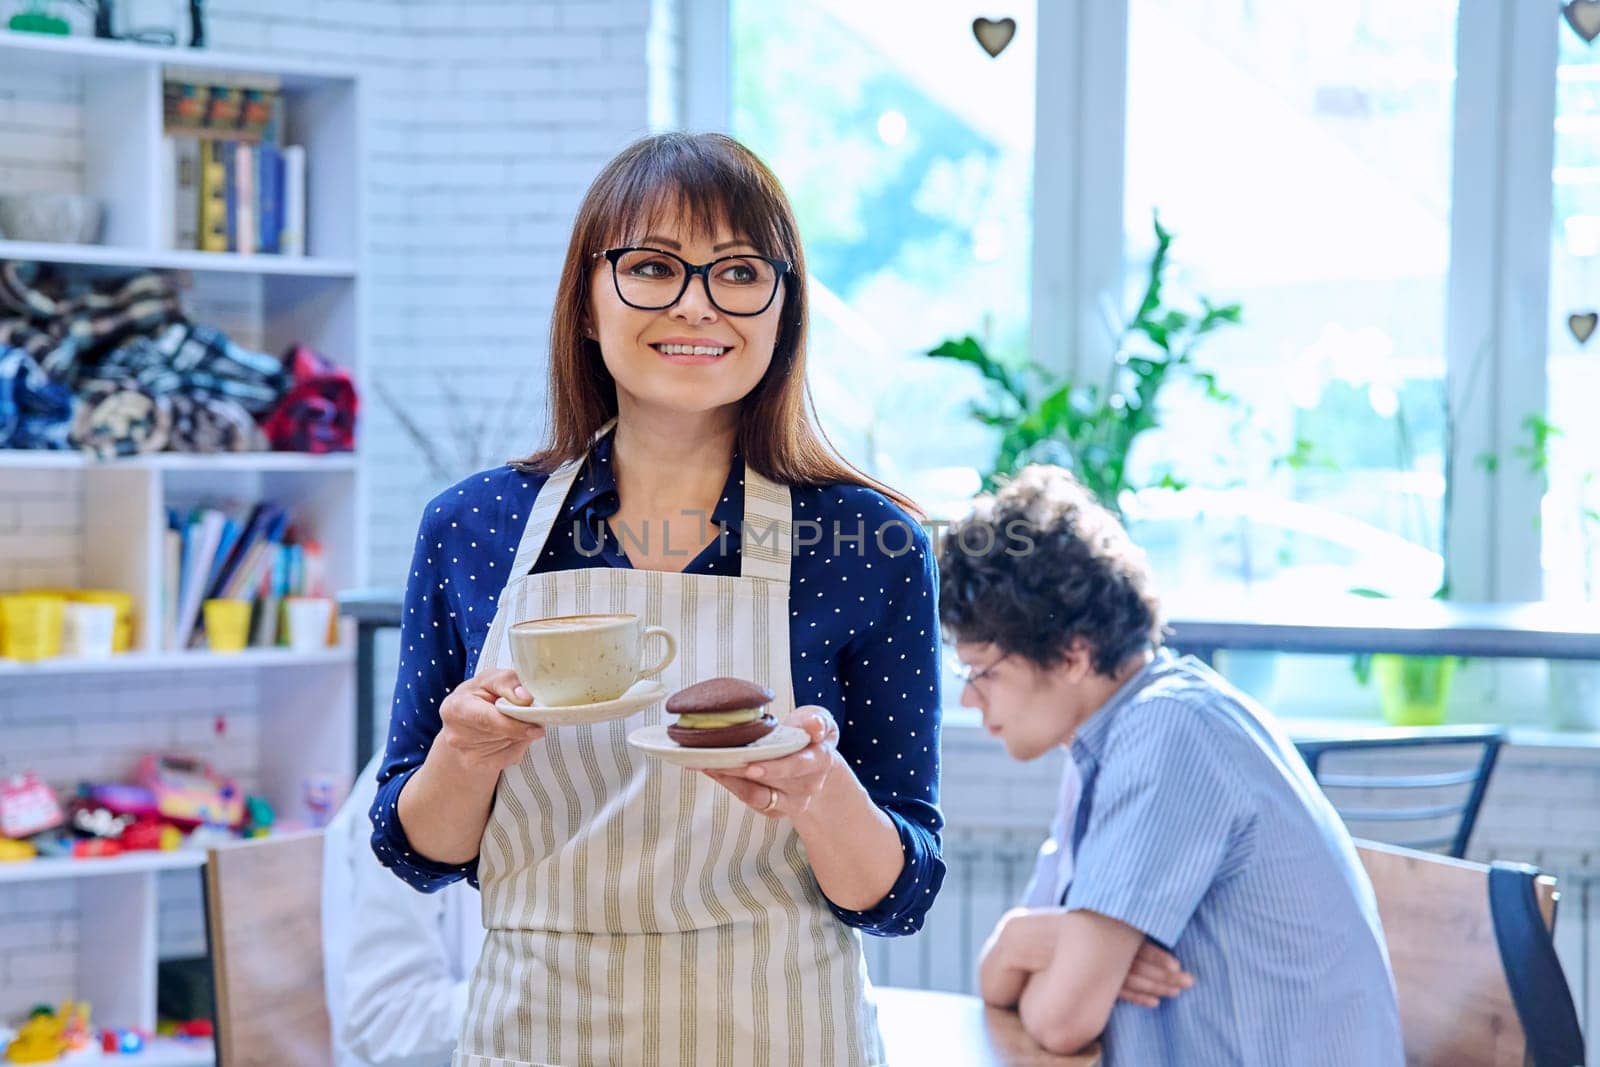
x=1064, y=970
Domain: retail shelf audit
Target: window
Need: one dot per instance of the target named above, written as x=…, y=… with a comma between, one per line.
x=907, y=152
x=1571, y=512
x=1301, y=156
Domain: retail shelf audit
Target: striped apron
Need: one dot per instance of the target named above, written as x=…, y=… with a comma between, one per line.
x=636, y=913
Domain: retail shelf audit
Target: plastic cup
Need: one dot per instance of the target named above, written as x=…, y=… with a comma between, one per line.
x=309, y=618
x=89, y=630
x=227, y=624
x=30, y=625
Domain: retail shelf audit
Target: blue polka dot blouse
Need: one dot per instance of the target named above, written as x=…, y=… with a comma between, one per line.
x=863, y=643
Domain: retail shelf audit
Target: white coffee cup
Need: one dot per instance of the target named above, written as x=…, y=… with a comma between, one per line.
x=309, y=618
x=88, y=630
x=569, y=660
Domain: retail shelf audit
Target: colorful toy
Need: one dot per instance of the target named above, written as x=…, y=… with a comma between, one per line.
x=75, y=1025
x=95, y=847
x=27, y=806
x=188, y=792
x=88, y=819
x=320, y=792
x=48, y=1035
x=151, y=835
x=38, y=1041
x=124, y=1041
x=259, y=817
x=16, y=851
x=121, y=799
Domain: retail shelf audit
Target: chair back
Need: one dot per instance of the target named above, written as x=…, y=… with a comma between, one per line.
x=264, y=928
x=1474, y=965
x=1378, y=788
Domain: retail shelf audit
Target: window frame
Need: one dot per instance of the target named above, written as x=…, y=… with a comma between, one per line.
x=1497, y=285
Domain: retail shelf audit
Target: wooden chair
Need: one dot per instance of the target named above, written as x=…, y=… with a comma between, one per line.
x=264, y=929
x=1474, y=967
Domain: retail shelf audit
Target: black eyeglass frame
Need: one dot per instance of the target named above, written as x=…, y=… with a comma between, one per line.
x=782, y=266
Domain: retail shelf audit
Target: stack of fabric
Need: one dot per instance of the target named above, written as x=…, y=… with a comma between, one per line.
x=117, y=369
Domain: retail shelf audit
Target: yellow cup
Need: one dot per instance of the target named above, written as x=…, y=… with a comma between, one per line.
x=30, y=625
x=227, y=624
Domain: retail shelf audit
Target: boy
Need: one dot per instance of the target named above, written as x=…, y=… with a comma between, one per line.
x=1196, y=827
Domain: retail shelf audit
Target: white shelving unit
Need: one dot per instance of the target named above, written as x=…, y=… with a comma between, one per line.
x=306, y=708
x=249, y=659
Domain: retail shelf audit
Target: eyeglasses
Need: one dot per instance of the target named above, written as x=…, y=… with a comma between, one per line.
x=967, y=675
x=652, y=280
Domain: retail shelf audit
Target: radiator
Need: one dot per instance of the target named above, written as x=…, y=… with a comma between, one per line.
x=986, y=873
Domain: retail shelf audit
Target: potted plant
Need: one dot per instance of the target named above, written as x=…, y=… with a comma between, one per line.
x=1091, y=427
x=1412, y=690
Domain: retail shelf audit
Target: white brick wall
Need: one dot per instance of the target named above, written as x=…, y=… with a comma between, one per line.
x=41, y=131
x=41, y=529
x=38, y=945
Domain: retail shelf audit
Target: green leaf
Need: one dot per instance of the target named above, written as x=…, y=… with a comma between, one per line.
x=967, y=350
x=1168, y=480
x=1361, y=667
x=1215, y=316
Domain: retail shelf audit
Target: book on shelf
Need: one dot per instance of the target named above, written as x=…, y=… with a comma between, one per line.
x=234, y=185
x=184, y=174
x=228, y=550
x=213, y=226
x=293, y=201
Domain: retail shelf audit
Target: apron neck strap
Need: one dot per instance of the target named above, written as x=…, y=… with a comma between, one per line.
x=766, y=531
x=766, y=534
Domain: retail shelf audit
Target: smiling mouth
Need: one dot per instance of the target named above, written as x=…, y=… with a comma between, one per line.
x=693, y=352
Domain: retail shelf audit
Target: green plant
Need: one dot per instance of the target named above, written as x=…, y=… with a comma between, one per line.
x=1585, y=499
x=1091, y=427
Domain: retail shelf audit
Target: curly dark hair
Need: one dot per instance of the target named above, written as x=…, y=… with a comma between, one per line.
x=1041, y=562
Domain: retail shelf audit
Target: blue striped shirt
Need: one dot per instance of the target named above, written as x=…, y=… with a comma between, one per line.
x=1199, y=825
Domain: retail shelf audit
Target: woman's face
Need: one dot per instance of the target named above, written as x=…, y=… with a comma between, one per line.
x=632, y=340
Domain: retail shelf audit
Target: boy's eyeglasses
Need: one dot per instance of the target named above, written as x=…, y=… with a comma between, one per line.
x=969, y=675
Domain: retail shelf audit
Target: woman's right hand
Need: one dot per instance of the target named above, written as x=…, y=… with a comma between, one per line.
x=476, y=736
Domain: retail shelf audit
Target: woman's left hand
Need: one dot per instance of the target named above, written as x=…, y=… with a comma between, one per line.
x=786, y=786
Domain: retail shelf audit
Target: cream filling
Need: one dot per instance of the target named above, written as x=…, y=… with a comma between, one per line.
x=710, y=720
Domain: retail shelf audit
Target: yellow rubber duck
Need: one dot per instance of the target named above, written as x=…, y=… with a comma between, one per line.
x=39, y=1040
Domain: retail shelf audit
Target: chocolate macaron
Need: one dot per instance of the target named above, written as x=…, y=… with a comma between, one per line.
x=720, y=713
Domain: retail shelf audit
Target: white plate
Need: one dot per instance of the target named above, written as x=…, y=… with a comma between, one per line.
x=643, y=693
x=653, y=741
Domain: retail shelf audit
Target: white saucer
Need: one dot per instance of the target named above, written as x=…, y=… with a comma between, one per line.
x=642, y=694
x=653, y=741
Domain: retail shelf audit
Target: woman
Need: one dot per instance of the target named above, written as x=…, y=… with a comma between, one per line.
x=636, y=912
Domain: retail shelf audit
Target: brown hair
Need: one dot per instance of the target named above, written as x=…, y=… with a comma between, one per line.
x=707, y=178
x=1080, y=575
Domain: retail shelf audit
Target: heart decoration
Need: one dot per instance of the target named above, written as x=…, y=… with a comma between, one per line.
x=994, y=34
x=1582, y=325
x=1584, y=18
